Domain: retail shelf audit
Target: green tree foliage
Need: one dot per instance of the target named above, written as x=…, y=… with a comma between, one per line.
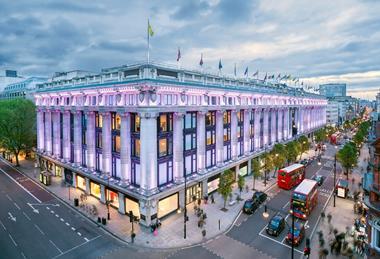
x=241, y=183
x=348, y=157
x=346, y=125
x=304, y=145
x=320, y=135
x=292, y=151
x=268, y=162
x=278, y=156
x=17, y=126
x=225, y=185
x=256, y=170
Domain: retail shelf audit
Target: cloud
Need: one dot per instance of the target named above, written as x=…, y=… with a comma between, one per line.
x=314, y=40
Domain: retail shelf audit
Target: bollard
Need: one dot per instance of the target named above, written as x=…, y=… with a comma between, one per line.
x=219, y=224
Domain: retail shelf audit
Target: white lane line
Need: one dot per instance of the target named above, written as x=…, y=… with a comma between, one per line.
x=47, y=208
x=274, y=240
x=73, y=229
x=9, y=198
x=37, y=227
x=55, y=246
x=68, y=224
x=62, y=219
x=3, y=225
x=26, y=216
x=52, y=211
x=285, y=205
x=57, y=215
x=23, y=255
x=79, y=234
x=86, y=239
x=75, y=247
x=14, y=242
x=22, y=187
x=17, y=206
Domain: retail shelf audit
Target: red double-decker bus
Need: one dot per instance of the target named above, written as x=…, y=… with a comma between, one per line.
x=304, y=199
x=290, y=176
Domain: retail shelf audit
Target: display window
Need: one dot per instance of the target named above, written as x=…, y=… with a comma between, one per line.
x=81, y=182
x=113, y=198
x=95, y=189
x=213, y=185
x=167, y=205
x=243, y=170
x=131, y=205
x=58, y=171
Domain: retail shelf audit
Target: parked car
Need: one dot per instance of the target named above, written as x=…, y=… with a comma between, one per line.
x=250, y=206
x=276, y=225
x=299, y=234
x=259, y=196
x=318, y=178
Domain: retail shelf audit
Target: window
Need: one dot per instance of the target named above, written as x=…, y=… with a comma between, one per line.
x=162, y=147
x=227, y=117
x=210, y=118
x=116, y=143
x=135, y=149
x=98, y=120
x=135, y=123
x=190, y=120
x=165, y=122
x=190, y=141
x=227, y=134
x=116, y=121
x=210, y=137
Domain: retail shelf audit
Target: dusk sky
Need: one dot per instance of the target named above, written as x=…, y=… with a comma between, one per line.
x=318, y=41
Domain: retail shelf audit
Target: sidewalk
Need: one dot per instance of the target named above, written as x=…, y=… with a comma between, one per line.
x=170, y=234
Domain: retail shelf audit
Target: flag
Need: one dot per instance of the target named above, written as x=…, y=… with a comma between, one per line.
x=150, y=30
x=220, y=64
x=246, y=72
x=279, y=76
x=284, y=77
x=235, y=70
x=179, y=55
x=302, y=83
x=271, y=77
x=266, y=75
x=201, y=61
x=256, y=73
x=294, y=79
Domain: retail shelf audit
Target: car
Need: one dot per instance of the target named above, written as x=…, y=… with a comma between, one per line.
x=276, y=225
x=318, y=178
x=250, y=206
x=299, y=234
x=259, y=196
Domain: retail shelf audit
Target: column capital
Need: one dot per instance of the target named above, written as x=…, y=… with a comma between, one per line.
x=124, y=114
x=105, y=114
x=179, y=114
x=202, y=112
x=89, y=112
x=148, y=115
x=221, y=111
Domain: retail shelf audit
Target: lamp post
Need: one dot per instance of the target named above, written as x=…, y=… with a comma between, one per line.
x=266, y=215
x=265, y=166
x=107, y=196
x=185, y=208
x=334, y=187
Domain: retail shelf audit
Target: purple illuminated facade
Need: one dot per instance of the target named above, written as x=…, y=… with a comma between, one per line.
x=130, y=134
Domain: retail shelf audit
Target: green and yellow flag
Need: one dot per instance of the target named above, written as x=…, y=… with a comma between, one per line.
x=150, y=30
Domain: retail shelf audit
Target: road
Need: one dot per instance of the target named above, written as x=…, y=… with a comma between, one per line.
x=248, y=239
x=35, y=224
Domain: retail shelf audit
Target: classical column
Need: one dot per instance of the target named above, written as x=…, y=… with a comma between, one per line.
x=274, y=132
x=66, y=136
x=288, y=124
x=90, y=140
x=40, y=130
x=219, y=137
x=48, y=139
x=178, y=147
x=246, y=139
x=125, y=148
x=57, y=133
x=280, y=131
x=77, y=137
x=106, y=142
x=148, y=155
x=234, y=134
x=257, y=128
x=266, y=121
x=201, y=141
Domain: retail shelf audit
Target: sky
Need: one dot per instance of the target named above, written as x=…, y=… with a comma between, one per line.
x=320, y=41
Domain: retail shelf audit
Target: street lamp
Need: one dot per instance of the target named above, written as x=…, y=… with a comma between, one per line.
x=185, y=207
x=334, y=187
x=265, y=166
x=266, y=215
x=107, y=196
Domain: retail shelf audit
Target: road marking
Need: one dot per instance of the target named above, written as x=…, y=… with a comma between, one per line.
x=62, y=220
x=55, y=246
x=86, y=239
x=3, y=225
x=67, y=224
x=274, y=240
x=47, y=208
x=75, y=247
x=57, y=215
x=17, y=206
x=52, y=211
x=73, y=229
x=286, y=205
x=22, y=187
x=39, y=229
x=33, y=208
x=11, y=217
x=79, y=234
x=26, y=216
x=23, y=255
x=9, y=198
x=14, y=242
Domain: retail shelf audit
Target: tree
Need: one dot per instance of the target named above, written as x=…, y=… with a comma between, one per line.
x=17, y=126
x=256, y=170
x=348, y=157
x=304, y=145
x=320, y=135
x=225, y=185
x=346, y=125
x=241, y=183
x=278, y=157
x=358, y=138
x=268, y=163
x=291, y=151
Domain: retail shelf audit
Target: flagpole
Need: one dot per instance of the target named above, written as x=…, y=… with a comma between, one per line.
x=147, y=30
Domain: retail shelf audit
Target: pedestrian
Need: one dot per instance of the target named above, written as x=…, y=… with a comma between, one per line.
x=246, y=188
x=212, y=198
x=329, y=216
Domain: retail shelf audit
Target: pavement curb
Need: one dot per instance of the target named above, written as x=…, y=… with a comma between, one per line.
x=118, y=237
